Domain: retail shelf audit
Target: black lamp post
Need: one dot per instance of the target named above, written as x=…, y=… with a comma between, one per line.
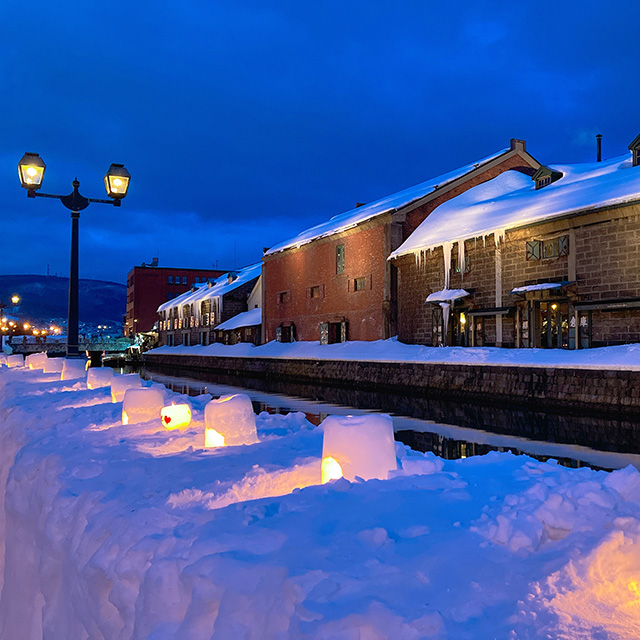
x=116, y=181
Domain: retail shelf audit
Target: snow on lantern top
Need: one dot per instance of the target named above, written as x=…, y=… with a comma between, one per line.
x=358, y=446
x=230, y=421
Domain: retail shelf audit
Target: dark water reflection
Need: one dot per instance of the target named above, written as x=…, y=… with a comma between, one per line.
x=425, y=423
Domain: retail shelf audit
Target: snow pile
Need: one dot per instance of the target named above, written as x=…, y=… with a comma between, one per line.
x=619, y=357
x=111, y=531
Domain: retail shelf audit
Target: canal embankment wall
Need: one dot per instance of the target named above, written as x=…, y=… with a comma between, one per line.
x=608, y=390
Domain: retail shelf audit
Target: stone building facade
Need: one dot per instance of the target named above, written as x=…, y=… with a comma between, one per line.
x=568, y=279
x=192, y=318
x=334, y=282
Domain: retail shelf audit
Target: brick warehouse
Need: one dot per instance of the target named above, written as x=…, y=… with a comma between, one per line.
x=149, y=285
x=333, y=282
x=551, y=262
x=192, y=317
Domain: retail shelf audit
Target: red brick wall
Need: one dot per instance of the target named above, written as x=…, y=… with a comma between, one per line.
x=314, y=264
x=148, y=288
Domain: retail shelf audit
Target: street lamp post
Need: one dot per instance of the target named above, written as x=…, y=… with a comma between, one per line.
x=116, y=181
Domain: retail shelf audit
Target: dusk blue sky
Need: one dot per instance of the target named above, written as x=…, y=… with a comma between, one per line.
x=243, y=123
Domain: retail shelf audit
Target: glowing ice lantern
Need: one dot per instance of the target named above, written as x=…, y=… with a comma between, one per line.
x=176, y=416
x=99, y=377
x=73, y=369
x=15, y=360
x=3, y=359
x=360, y=446
x=229, y=421
x=141, y=405
x=36, y=360
x=121, y=383
x=53, y=365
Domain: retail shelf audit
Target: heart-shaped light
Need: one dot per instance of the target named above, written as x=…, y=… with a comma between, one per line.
x=167, y=419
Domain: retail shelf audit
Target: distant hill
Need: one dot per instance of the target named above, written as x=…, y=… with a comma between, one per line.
x=46, y=297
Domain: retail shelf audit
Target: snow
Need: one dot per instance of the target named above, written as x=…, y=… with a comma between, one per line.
x=447, y=295
x=539, y=287
x=111, y=532
x=388, y=204
x=249, y=318
x=619, y=357
x=510, y=201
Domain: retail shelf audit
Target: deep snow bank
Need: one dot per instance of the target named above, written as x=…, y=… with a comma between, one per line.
x=133, y=531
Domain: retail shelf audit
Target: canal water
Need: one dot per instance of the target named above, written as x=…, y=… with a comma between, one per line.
x=449, y=429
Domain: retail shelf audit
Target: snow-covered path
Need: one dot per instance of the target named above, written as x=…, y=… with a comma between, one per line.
x=113, y=532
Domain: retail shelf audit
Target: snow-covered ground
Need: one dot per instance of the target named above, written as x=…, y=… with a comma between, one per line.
x=110, y=532
x=620, y=357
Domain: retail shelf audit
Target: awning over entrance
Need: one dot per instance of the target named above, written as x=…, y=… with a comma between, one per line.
x=539, y=287
x=447, y=295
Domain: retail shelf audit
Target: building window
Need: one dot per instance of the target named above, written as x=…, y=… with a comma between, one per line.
x=315, y=292
x=543, y=182
x=534, y=250
x=340, y=259
x=170, y=279
x=455, y=265
x=184, y=279
x=359, y=284
x=283, y=297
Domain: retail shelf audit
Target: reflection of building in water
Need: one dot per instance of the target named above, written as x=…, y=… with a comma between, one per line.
x=451, y=449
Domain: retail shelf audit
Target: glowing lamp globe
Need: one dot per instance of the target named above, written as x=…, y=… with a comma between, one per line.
x=99, y=377
x=15, y=360
x=176, y=416
x=31, y=171
x=141, y=405
x=229, y=421
x=73, y=369
x=358, y=446
x=116, y=181
x=120, y=384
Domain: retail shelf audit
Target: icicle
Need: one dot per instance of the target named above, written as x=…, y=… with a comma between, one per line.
x=446, y=251
x=446, y=309
x=499, y=235
x=461, y=257
x=484, y=241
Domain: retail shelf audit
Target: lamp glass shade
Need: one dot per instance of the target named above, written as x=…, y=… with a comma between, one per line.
x=31, y=171
x=116, y=181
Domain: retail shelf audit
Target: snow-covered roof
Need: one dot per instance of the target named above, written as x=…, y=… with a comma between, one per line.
x=539, y=287
x=344, y=221
x=447, y=295
x=510, y=201
x=219, y=287
x=249, y=318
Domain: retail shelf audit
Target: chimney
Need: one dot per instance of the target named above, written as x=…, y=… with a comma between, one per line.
x=154, y=262
x=516, y=144
x=232, y=276
x=599, y=148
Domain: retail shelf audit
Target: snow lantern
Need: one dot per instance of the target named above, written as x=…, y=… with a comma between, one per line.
x=53, y=365
x=3, y=359
x=175, y=416
x=15, y=360
x=141, y=405
x=229, y=421
x=361, y=446
x=73, y=369
x=99, y=377
x=121, y=383
x=35, y=360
